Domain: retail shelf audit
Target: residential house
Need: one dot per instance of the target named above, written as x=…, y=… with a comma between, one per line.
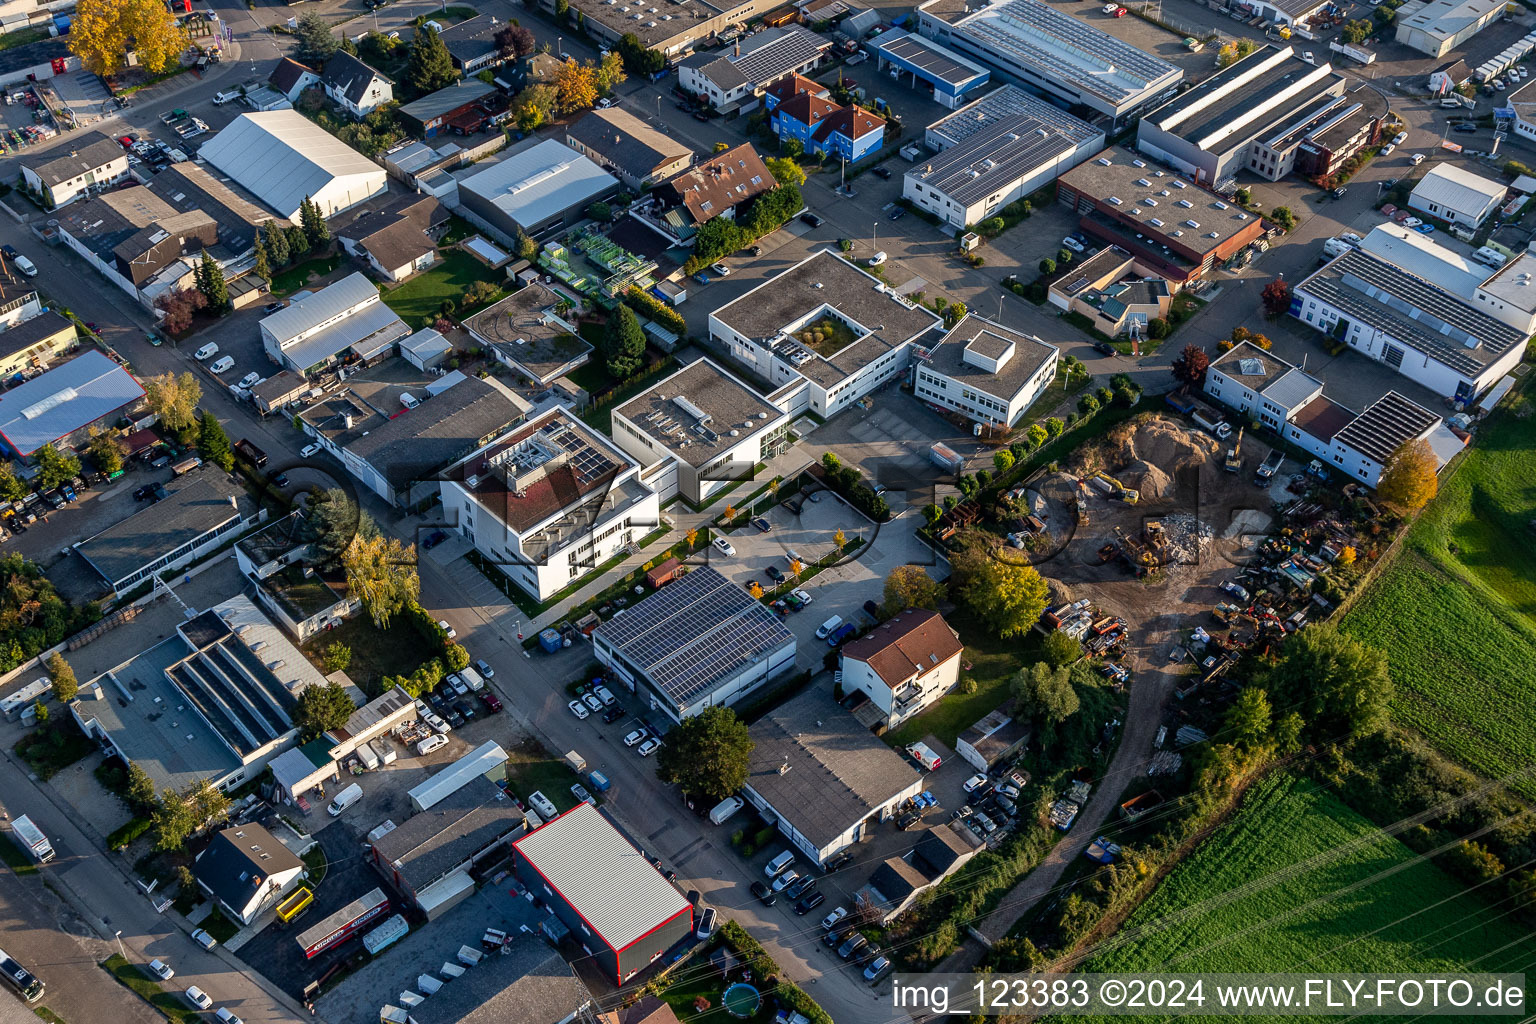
x=290, y=78
x=354, y=86
x=34, y=343
x=88, y=163
x=399, y=238
x=627, y=146
x=246, y=870
x=904, y=664
x=824, y=127
x=472, y=44
x=734, y=81
x=714, y=188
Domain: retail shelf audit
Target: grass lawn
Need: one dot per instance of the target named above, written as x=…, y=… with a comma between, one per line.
x=219, y=926
x=376, y=653
x=54, y=745
x=602, y=417
x=530, y=767
x=286, y=282
x=48, y=1015
x=993, y=663
x=419, y=301
x=316, y=863
x=1456, y=611
x=591, y=377
x=172, y=1004
x=1299, y=882
x=21, y=37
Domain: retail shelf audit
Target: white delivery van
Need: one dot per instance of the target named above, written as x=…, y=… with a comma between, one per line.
x=779, y=864
x=725, y=808
x=472, y=679
x=369, y=759
x=924, y=755
x=829, y=627
x=1449, y=104
x=346, y=798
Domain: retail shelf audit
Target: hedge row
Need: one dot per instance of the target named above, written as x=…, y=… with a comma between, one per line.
x=788, y=993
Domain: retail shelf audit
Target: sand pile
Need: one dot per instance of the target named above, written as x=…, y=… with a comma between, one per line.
x=1159, y=442
x=1151, y=481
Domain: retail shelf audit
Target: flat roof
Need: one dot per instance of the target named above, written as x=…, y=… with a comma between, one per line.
x=1372, y=291
x=1154, y=199
x=600, y=874
x=1384, y=425
x=1029, y=355
x=526, y=328
x=537, y=183
x=936, y=61
x=63, y=399
x=693, y=632
x=1037, y=35
x=1511, y=283
x=431, y=843
x=417, y=443
x=198, y=502
x=1422, y=256
x=657, y=24
x=839, y=772
x=1002, y=104
x=531, y=984
x=445, y=101
x=1251, y=366
x=669, y=411
x=824, y=283
x=1293, y=388
x=1323, y=418
x=1006, y=151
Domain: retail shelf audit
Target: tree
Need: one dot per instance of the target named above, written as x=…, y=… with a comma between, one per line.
x=210, y=281
x=575, y=87
x=1044, y=695
x=336, y=658
x=623, y=343
x=1054, y=426
x=172, y=821
x=1007, y=596
x=140, y=788
x=1242, y=197
x=1003, y=460
x=1336, y=683
x=532, y=108
x=65, y=686
x=1060, y=649
x=179, y=307
x=638, y=59
x=298, y=242
x=908, y=586
x=1408, y=480
x=277, y=242
x=707, y=755
x=334, y=521
x=381, y=572
x=756, y=590
x=1276, y=297
x=106, y=449
x=1047, y=266
x=1346, y=555
x=429, y=66
x=209, y=804
x=1227, y=55
x=1356, y=31
x=608, y=75
x=313, y=222
x=785, y=171
x=316, y=42
x=1249, y=720
x=1283, y=216
x=796, y=567
x=322, y=708
x=213, y=444
x=1191, y=365
x=55, y=467
x=693, y=538
x=103, y=31
x=1158, y=328
x=839, y=539
x=515, y=41
x=263, y=267
x=11, y=489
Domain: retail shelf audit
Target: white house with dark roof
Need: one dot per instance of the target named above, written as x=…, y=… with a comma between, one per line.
x=904, y=664
x=736, y=80
x=82, y=164
x=627, y=146
x=246, y=869
x=986, y=371
x=354, y=86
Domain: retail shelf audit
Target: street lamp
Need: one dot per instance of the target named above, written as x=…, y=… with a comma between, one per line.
x=560, y=46
x=874, y=237
x=119, y=937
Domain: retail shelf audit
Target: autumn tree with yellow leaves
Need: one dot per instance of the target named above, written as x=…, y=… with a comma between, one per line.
x=104, y=31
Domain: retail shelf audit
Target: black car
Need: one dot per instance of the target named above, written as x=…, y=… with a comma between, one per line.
x=465, y=708
x=775, y=574
x=883, y=173
x=273, y=307
x=454, y=718
x=756, y=250
x=793, y=505
x=433, y=539
x=9, y=251
x=1104, y=348
x=435, y=699
x=280, y=480
x=839, y=862
x=898, y=212
x=810, y=903
x=685, y=107
x=612, y=715
x=810, y=218
x=764, y=894
x=872, y=610
x=143, y=492
x=699, y=115
x=800, y=887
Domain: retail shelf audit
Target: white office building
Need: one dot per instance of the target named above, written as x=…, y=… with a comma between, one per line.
x=985, y=371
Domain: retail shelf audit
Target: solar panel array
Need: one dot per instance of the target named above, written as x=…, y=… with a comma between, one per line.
x=586, y=461
x=779, y=56
x=1006, y=102
x=694, y=631
x=919, y=52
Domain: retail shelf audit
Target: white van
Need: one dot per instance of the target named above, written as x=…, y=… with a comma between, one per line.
x=924, y=755
x=1335, y=247
x=369, y=759
x=829, y=627
x=409, y=400
x=1490, y=257
x=1449, y=104
x=779, y=864
x=346, y=798
x=472, y=679
x=725, y=808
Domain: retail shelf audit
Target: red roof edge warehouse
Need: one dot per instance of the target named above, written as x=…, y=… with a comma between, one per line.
x=596, y=871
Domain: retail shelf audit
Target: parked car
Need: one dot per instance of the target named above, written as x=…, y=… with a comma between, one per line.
x=649, y=747
x=484, y=669
x=800, y=887
x=198, y=998
x=161, y=970
x=839, y=862
x=877, y=969
x=491, y=701
x=786, y=880
x=830, y=921
x=309, y=451
x=883, y=173
x=775, y=574
x=273, y=307
x=613, y=715
x=721, y=269
x=578, y=709
x=202, y=938
x=448, y=630
x=765, y=894
x=810, y=903
x=723, y=546
x=638, y=736
x=810, y=218
x=541, y=803
x=802, y=595
x=465, y=708
x=580, y=793
x=1399, y=138
x=975, y=782
x=707, y=921
x=877, y=259
x=851, y=945
x=762, y=524
x=207, y=352
x=1236, y=590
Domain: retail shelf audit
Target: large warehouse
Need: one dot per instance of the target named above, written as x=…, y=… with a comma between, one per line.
x=1049, y=51
x=698, y=642
x=1437, y=26
x=1232, y=120
x=282, y=156
x=614, y=902
x=994, y=151
x=543, y=186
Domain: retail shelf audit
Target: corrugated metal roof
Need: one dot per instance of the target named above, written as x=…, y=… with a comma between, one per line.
x=282, y=156
x=1455, y=188
x=486, y=757
x=539, y=182
x=601, y=875
x=63, y=400
x=326, y=304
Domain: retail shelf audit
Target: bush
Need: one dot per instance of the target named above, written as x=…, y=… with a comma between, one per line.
x=647, y=305
x=120, y=838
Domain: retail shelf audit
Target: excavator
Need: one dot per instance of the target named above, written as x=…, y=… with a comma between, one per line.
x=1234, y=462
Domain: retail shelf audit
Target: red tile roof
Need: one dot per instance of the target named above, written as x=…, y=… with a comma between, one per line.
x=807, y=109
x=854, y=122
x=720, y=182
x=912, y=643
x=792, y=85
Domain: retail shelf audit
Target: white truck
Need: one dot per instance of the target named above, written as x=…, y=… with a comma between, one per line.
x=31, y=839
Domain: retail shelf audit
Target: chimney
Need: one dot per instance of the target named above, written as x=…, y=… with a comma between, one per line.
x=737, y=50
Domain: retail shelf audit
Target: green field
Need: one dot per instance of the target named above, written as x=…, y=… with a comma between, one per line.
x=1456, y=612
x=1297, y=881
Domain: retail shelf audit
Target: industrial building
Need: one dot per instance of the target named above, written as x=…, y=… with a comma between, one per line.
x=939, y=852
x=282, y=157
x=1437, y=327
x=995, y=740
x=617, y=906
x=300, y=770
x=1114, y=291
x=527, y=334
x=85, y=164
x=1436, y=27
x=823, y=777
x=345, y=321
x=548, y=501
x=58, y=407
x=486, y=761
x=1456, y=195
x=1050, y=52
x=434, y=112
x=1248, y=116
x=700, y=641
x=996, y=150
x=536, y=189
x=871, y=333
x=953, y=79
x=618, y=140
x=1176, y=229
x=902, y=665
x=985, y=371
x=699, y=432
